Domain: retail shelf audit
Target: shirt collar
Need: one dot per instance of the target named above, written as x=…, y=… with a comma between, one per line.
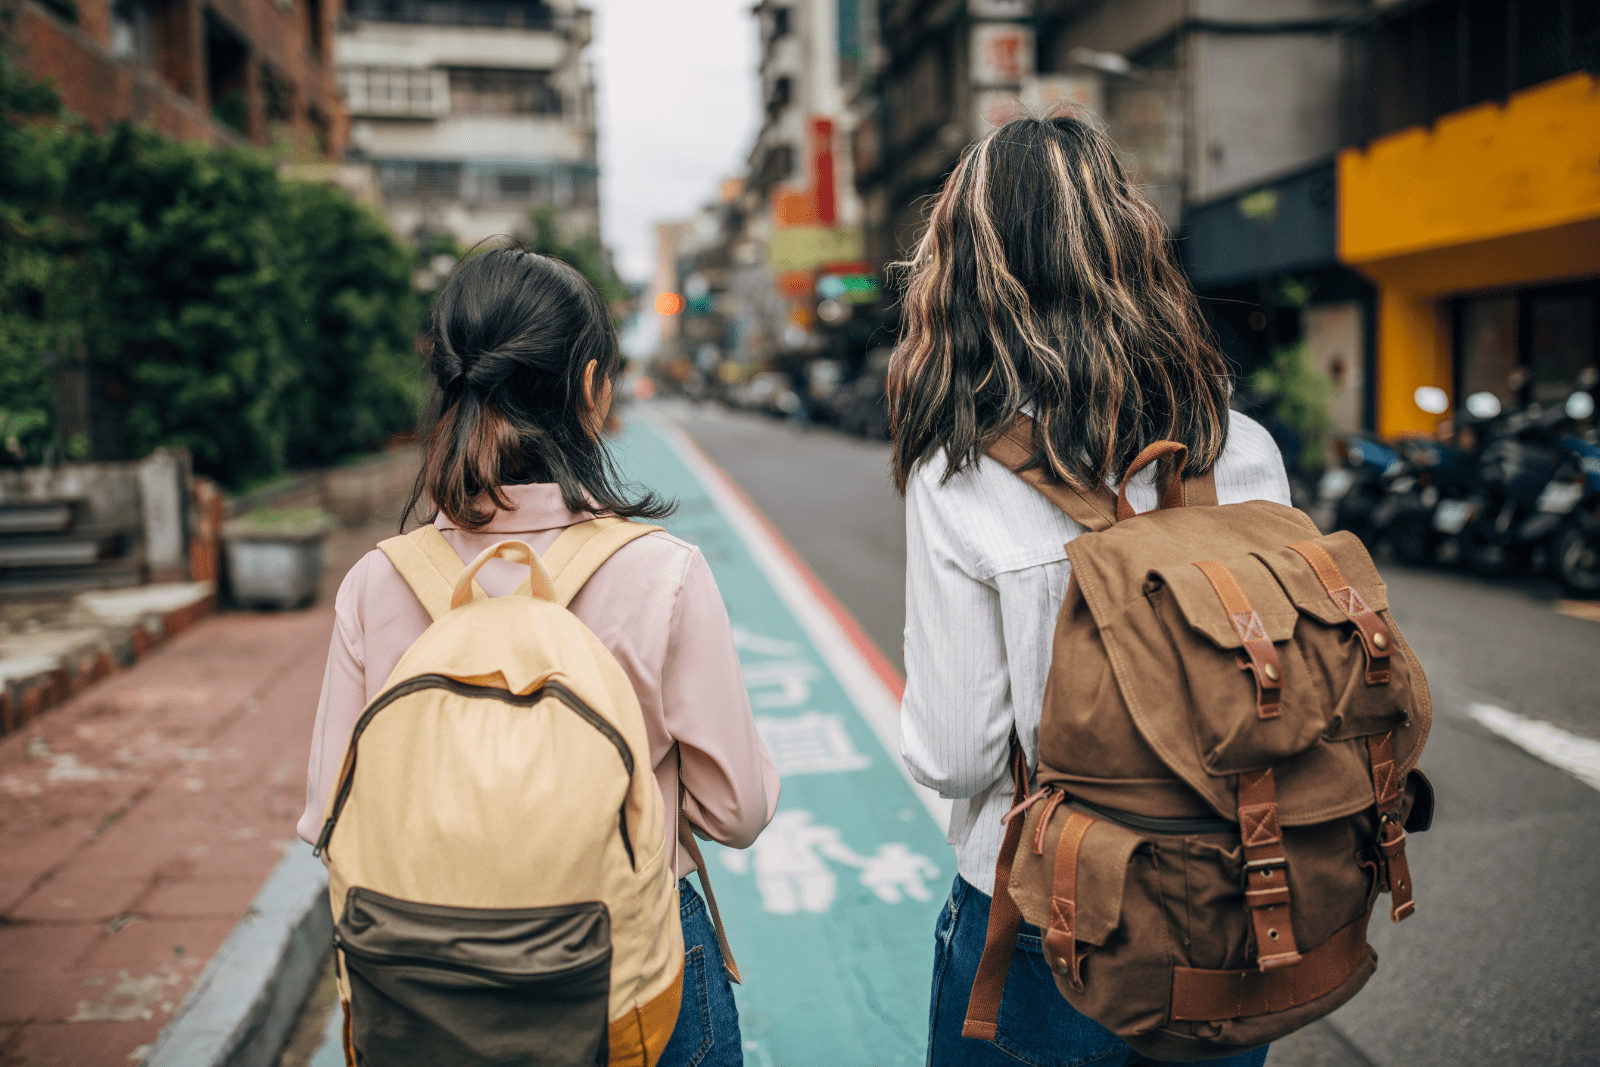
x=533, y=508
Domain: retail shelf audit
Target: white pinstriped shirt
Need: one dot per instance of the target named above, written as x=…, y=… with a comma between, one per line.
x=986, y=572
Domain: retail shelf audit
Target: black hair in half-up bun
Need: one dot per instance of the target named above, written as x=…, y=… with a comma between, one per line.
x=507, y=341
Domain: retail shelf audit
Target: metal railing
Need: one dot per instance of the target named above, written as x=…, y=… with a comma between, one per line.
x=1418, y=61
x=499, y=14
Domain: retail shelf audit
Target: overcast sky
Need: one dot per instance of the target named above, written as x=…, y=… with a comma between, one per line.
x=678, y=109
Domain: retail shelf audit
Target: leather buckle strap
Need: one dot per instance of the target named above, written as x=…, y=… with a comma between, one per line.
x=686, y=839
x=1050, y=806
x=1394, y=872
x=1262, y=654
x=1215, y=996
x=1266, y=874
x=1375, y=636
x=1060, y=939
x=1005, y=920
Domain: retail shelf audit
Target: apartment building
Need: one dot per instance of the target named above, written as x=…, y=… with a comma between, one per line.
x=223, y=71
x=473, y=113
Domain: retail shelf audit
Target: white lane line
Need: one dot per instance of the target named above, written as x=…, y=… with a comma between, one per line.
x=1578, y=756
x=878, y=706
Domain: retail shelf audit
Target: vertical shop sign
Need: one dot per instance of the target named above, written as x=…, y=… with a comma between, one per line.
x=822, y=170
x=1002, y=54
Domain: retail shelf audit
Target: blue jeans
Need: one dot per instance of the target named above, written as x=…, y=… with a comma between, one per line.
x=707, y=1034
x=1037, y=1025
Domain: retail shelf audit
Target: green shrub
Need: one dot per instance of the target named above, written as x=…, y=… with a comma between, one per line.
x=1301, y=397
x=259, y=322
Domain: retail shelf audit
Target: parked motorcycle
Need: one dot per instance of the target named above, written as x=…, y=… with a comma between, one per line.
x=1428, y=472
x=1350, y=492
x=1573, y=497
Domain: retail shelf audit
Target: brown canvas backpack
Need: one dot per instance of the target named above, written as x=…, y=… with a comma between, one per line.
x=497, y=865
x=1227, y=771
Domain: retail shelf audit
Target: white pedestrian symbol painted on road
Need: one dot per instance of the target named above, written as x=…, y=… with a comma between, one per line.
x=793, y=875
x=790, y=678
x=747, y=641
x=810, y=743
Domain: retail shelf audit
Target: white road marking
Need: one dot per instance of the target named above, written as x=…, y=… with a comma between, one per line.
x=1578, y=756
x=861, y=683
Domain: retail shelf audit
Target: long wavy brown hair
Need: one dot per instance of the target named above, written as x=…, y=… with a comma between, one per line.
x=1045, y=284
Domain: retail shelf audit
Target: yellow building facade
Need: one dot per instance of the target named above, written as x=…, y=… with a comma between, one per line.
x=1482, y=234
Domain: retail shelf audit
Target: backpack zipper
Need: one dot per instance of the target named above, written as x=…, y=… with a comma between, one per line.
x=1151, y=824
x=400, y=960
x=439, y=681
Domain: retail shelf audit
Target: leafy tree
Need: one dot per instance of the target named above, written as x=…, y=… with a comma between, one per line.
x=584, y=252
x=359, y=314
x=34, y=284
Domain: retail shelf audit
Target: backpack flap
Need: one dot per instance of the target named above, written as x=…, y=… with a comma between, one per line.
x=1243, y=674
x=1361, y=664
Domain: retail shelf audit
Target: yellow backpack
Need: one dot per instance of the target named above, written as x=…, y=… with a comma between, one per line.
x=496, y=855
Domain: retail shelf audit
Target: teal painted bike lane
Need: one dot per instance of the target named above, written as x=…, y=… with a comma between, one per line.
x=831, y=913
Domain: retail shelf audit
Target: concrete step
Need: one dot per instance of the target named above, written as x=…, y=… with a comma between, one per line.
x=75, y=548
x=41, y=664
x=62, y=580
x=37, y=516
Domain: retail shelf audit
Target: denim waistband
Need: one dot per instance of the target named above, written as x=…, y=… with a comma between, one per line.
x=689, y=901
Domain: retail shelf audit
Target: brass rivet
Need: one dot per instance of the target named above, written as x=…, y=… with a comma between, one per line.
x=1273, y=934
x=1271, y=672
x=1380, y=640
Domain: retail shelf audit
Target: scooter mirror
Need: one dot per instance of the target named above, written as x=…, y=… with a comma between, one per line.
x=1580, y=405
x=1483, y=405
x=1432, y=399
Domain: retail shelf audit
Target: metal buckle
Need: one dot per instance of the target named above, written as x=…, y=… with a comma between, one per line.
x=1259, y=865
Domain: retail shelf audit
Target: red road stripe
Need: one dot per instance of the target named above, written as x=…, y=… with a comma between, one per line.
x=868, y=648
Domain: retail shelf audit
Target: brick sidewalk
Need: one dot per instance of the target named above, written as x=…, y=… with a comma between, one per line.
x=139, y=819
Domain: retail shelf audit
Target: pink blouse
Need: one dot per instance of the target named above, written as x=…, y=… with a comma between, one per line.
x=654, y=605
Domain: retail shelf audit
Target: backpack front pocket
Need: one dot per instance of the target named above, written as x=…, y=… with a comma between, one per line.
x=475, y=986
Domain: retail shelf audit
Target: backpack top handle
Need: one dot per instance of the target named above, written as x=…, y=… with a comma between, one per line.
x=515, y=551
x=1175, y=491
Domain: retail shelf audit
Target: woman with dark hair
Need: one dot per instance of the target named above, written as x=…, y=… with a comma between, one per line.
x=522, y=355
x=1043, y=295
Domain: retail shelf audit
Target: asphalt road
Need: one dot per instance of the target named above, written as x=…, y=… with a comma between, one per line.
x=1501, y=963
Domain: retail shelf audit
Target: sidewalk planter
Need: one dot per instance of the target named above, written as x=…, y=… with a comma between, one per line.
x=275, y=556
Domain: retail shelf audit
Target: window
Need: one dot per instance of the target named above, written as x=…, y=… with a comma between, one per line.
x=314, y=28
x=510, y=14
x=1562, y=343
x=781, y=94
x=132, y=36
x=277, y=94
x=780, y=23
x=424, y=180
x=393, y=90
x=503, y=92
x=226, y=78
x=1534, y=346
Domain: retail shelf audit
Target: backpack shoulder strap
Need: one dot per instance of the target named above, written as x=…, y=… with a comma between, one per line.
x=1094, y=509
x=582, y=548
x=429, y=565
x=686, y=838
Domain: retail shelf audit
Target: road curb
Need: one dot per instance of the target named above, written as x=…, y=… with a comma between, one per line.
x=244, y=1005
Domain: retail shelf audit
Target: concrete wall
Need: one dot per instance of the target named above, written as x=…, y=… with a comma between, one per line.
x=394, y=44
x=1249, y=105
x=1262, y=105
